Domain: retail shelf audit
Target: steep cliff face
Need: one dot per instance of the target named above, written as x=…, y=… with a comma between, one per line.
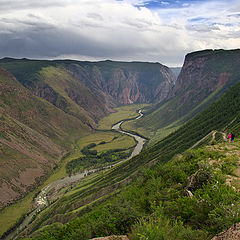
x=125, y=83
x=206, y=71
x=205, y=76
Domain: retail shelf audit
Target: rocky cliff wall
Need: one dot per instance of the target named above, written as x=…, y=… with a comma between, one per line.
x=126, y=83
x=205, y=77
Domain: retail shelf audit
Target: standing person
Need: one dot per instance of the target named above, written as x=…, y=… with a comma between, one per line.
x=232, y=137
x=229, y=137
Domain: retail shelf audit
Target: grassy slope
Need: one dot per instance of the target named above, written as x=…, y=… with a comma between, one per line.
x=147, y=186
x=79, y=99
x=36, y=113
x=33, y=134
x=60, y=80
x=51, y=81
x=217, y=66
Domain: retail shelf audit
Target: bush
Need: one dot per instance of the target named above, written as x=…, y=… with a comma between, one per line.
x=158, y=226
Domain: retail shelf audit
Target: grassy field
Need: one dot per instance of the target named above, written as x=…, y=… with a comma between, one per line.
x=112, y=141
x=124, y=112
x=130, y=125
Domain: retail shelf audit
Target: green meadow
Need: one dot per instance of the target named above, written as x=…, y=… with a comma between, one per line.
x=124, y=112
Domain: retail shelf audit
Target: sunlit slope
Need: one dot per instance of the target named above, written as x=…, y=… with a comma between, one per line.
x=205, y=77
x=222, y=115
x=34, y=136
x=58, y=86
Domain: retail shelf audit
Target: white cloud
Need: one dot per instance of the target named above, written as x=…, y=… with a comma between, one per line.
x=118, y=30
x=164, y=3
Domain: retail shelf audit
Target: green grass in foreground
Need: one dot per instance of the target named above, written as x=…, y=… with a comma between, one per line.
x=155, y=205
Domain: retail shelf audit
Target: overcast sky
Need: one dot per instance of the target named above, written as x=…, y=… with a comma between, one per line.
x=154, y=31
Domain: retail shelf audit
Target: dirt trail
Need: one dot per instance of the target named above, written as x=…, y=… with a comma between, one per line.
x=232, y=180
x=213, y=133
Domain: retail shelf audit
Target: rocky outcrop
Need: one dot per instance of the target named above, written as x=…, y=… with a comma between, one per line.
x=198, y=179
x=204, y=78
x=232, y=233
x=45, y=91
x=203, y=74
x=208, y=70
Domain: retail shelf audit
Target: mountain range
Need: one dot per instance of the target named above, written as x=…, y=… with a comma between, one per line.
x=45, y=106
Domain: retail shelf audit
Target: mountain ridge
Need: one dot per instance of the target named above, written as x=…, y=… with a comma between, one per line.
x=204, y=77
x=68, y=215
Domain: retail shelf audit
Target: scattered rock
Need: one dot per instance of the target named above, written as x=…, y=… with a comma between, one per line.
x=114, y=237
x=188, y=193
x=232, y=233
x=195, y=181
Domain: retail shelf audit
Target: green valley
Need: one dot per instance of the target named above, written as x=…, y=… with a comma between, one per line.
x=104, y=140
x=67, y=129
x=180, y=192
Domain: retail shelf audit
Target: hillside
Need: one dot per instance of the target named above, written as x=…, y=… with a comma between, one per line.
x=47, y=106
x=88, y=90
x=34, y=135
x=205, y=76
x=181, y=192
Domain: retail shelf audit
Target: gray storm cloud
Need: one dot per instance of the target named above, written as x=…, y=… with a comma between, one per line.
x=109, y=29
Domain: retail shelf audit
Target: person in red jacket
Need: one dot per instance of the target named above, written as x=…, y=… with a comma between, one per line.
x=229, y=137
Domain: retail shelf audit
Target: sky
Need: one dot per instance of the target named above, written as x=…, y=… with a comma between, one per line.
x=124, y=30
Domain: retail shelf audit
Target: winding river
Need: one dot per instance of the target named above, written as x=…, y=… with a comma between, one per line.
x=140, y=140
x=41, y=201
